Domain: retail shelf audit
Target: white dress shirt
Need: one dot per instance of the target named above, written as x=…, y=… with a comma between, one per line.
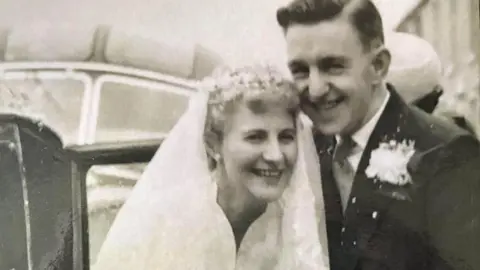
x=362, y=135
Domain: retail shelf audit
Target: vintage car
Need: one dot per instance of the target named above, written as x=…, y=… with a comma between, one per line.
x=82, y=111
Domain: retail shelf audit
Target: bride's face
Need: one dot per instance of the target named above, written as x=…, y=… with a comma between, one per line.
x=259, y=149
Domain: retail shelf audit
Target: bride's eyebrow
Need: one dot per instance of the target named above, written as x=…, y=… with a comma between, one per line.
x=292, y=129
x=248, y=131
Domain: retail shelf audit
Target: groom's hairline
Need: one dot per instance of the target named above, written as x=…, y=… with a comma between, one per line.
x=347, y=13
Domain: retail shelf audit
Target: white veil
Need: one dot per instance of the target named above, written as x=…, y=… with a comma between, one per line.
x=172, y=220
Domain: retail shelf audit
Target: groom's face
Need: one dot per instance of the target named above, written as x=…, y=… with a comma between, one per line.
x=334, y=73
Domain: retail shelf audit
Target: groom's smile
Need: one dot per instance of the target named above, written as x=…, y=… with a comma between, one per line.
x=332, y=104
x=326, y=110
x=325, y=105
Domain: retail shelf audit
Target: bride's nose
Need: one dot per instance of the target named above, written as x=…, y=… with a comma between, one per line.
x=273, y=152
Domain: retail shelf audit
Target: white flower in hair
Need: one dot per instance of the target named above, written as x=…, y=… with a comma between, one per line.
x=388, y=163
x=218, y=79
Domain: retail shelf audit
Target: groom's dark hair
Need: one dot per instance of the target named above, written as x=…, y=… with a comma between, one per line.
x=362, y=14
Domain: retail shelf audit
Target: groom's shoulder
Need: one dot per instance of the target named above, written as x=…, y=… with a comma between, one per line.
x=443, y=144
x=433, y=131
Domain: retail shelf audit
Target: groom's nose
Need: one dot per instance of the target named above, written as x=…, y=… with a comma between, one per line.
x=318, y=85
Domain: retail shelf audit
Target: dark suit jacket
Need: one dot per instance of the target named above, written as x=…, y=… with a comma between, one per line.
x=433, y=223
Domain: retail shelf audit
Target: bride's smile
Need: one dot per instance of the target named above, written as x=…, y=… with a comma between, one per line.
x=270, y=173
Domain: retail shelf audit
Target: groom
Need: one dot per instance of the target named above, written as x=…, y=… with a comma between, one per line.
x=408, y=206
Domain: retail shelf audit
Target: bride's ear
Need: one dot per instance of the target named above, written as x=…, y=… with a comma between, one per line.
x=212, y=154
x=212, y=147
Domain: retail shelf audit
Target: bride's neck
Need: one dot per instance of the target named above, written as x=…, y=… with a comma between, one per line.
x=240, y=207
x=238, y=204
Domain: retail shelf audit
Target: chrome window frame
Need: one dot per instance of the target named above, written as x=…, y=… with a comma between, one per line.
x=58, y=75
x=131, y=81
x=89, y=110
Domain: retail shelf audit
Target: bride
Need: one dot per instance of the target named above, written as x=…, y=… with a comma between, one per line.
x=235, y=185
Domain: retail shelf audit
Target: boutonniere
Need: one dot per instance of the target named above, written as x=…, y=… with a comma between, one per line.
x=388, y=163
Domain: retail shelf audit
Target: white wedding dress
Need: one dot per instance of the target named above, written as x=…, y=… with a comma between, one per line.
x=172, y=220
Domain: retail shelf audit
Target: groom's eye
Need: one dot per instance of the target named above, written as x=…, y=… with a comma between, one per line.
x=298, y=70
x=333, y=65
x=337, y=69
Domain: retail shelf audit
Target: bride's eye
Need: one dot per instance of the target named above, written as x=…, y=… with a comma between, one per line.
x=287, y=136
x=256, y=137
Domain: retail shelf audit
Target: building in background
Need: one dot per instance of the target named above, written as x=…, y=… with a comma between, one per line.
x=118, y=86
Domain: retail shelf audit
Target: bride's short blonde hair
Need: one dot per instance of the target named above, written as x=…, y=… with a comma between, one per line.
x=255, y=86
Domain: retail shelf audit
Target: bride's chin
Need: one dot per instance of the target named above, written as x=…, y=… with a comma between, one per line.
x=268, y=193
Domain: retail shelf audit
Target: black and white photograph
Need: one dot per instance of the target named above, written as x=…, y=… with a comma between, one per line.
x=240, y=135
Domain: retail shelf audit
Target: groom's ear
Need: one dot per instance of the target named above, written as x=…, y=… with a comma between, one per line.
x=380, y=65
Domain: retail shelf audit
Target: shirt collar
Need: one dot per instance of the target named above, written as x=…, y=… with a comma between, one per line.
x=362, y=135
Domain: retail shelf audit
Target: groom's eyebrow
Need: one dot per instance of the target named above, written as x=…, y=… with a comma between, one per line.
x=332, y=59
x=294, y=64
x=321, y=62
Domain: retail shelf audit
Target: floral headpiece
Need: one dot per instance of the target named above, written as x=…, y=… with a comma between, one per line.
x=226, y=84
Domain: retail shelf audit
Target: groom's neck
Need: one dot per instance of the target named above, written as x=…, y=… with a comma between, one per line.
x=378, y=98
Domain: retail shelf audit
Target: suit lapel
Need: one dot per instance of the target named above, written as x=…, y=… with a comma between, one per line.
x=367, y=204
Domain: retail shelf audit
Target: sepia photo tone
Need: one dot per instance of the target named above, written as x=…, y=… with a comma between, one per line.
x=235, y=135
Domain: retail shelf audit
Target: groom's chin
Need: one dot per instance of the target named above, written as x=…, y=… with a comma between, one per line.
x=326, y=127
x=330, y=128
